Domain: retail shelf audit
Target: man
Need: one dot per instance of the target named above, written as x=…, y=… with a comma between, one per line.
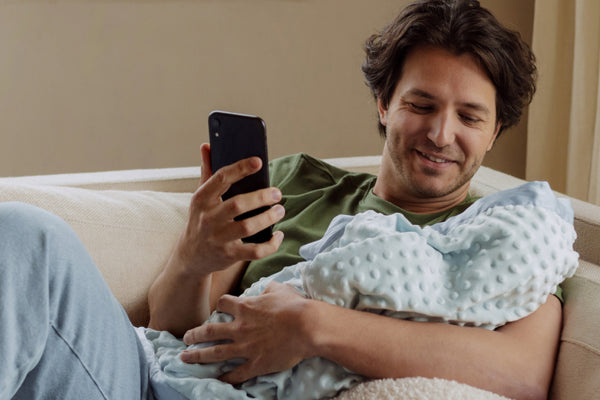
x=448, y=79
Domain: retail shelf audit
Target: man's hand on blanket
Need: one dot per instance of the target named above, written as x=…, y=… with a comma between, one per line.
x=268, y=331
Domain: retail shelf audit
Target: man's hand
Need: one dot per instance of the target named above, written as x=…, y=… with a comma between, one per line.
x=212, y=238
x=267, y=331
x=210, y=256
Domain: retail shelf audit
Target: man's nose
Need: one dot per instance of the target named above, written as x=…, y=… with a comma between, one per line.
x=443, y=130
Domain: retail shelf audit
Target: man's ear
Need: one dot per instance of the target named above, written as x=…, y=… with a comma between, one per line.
x=498, y=126
x=382, y=112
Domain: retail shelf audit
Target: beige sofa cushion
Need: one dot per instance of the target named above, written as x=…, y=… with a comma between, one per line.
x=577, y=374
x=129, y=234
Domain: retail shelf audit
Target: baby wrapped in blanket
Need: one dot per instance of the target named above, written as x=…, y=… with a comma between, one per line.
x=496, y=262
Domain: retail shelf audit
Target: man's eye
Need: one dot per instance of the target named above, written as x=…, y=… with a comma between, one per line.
x=469, y=119
x=420, y=108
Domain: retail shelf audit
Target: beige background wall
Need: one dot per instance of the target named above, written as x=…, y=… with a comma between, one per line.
x=93, y=85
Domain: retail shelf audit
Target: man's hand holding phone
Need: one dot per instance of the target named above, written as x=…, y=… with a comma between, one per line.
x=213, y=238
x=184, y=294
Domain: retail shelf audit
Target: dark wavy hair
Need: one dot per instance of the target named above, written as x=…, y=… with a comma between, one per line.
x=460, y=27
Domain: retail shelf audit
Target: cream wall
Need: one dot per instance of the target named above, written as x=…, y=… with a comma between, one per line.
x=112, y=84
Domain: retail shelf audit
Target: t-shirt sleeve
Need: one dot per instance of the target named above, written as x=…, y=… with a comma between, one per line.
x=559, y=294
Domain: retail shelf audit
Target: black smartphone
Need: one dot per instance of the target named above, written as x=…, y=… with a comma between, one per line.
x=234, y=137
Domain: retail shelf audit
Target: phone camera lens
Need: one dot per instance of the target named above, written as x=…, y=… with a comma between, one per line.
x=215, y=123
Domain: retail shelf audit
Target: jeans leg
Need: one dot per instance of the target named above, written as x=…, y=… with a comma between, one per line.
x=63, y=335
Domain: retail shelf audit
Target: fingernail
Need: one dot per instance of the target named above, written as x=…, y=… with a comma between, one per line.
x=256, y=162
x=186, y=356
x=276, y=193
x=186, y=338
x=279, y=236
x=279, y=210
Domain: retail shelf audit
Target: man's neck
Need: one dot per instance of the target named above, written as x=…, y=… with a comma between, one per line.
x=420, y=205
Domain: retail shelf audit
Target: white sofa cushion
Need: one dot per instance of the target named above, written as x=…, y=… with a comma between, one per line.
x=129, y=234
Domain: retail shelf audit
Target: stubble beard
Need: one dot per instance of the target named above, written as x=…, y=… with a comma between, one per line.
x=424, y=191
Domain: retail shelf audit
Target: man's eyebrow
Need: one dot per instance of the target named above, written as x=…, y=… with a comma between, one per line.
x=420, y=93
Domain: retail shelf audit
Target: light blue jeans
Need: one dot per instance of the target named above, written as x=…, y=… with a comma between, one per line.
x=62, y=333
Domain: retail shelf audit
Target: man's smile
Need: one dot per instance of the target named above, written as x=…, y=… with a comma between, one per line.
x=434, y=158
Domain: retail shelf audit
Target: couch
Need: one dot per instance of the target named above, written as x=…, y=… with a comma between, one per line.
x=130, y=220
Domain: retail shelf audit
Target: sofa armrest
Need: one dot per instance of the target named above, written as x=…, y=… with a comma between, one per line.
x=577, y=372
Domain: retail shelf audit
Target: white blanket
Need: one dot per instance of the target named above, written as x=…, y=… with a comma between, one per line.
x=496, y=262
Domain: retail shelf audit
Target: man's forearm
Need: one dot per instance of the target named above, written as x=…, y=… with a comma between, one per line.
x=516, y=360
x=177, y=301
x=182, y=298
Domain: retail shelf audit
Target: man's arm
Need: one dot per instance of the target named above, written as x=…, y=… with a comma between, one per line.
x=516, y=360
x=276, y=330
x=210, y=256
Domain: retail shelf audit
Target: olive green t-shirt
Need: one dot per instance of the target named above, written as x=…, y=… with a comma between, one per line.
x=314, y=192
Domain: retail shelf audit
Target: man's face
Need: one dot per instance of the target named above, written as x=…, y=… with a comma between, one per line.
x=440, y=122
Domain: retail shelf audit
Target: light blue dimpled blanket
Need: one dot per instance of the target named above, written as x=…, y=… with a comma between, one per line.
x=496, y=262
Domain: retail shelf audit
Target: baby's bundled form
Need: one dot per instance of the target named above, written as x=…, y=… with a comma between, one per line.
x=495, y=263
